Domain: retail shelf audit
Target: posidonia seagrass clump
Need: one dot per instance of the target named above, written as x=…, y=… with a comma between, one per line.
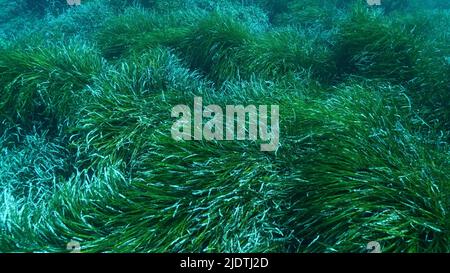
x=87, y=151
x=32, y=166
x=370, y=45
x=373, y=45
x=225, y=49
x=137, y=27
x=45, y=82
x=364, y=174
x=130, y=102
x=309, y=13
x=211, y=44
x=430, y=88
x=273, y=55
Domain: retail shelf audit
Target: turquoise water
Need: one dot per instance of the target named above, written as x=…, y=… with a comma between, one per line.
x=105, y=148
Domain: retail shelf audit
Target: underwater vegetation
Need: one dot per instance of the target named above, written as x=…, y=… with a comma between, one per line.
x=86, y=152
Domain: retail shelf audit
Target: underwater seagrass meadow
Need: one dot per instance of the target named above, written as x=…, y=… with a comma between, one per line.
x=86, y=152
